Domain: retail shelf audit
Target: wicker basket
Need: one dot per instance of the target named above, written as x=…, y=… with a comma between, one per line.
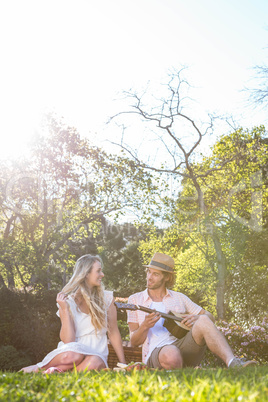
x=131, y=355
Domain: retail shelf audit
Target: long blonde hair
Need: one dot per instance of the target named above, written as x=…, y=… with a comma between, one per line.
x=94, y=297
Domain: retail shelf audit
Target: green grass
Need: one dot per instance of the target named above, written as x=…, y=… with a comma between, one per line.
x=249, y=384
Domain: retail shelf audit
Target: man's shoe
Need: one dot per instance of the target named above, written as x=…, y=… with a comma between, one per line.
x=236, y=362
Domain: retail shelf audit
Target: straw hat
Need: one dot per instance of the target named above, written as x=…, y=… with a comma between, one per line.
x=162, y=262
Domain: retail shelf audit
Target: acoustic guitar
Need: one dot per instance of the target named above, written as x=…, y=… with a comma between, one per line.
x=172, y=320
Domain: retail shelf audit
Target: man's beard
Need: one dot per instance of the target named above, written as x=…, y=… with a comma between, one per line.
x=157, y=285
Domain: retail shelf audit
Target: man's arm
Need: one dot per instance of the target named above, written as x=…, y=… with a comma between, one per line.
x=190, y=319
x=138, y=333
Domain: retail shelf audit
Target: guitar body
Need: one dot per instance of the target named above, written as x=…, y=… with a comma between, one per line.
x=175, y=328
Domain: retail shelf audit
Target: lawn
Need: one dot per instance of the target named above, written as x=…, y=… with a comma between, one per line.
x=249, y=384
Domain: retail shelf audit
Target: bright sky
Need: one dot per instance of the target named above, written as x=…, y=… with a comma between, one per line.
x=75, y=56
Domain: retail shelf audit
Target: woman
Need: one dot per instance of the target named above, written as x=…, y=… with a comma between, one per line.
x=87, y=313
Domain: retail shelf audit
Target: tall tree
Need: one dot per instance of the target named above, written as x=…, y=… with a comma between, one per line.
x=237, y=204
x=119, y=249
x=181, y=136
x=60, y=193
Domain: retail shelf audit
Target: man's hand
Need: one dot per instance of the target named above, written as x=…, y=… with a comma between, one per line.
x=189, y=319
x=151, y=319
x=138, y=333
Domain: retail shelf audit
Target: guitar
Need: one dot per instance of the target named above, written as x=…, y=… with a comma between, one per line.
x=172, y=320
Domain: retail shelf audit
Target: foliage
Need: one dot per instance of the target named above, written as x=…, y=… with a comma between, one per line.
x=55, y=200
x=251, y=344
x=247, y=292
x=208, y=194
x=11, y=359
x=180, y=136
x=194, y=276
x=29, y=322
x=124, y=330
x=235, y=196
x=118, y=248
x=210, y=385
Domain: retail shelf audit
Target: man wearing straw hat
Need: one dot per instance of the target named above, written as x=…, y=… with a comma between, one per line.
x=160, y=348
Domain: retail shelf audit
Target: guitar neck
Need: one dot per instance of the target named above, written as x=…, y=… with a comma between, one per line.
x=164, y=315
x=126, y=306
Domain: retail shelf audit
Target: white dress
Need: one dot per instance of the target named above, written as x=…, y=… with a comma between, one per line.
x=87, y=341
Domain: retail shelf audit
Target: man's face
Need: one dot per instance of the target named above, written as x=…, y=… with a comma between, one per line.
x=155, y=279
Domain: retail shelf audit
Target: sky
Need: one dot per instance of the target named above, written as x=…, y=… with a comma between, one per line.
x=75, y=57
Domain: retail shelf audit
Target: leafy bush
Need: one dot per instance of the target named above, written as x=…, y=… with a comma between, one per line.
x=29, y=323
x=251, y=344
x=123, y=328
x=11, y=359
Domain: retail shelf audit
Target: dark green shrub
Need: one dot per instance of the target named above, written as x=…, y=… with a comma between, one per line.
x=123, y=328
x=11, y=359
x=250, y=344
x=29, y=322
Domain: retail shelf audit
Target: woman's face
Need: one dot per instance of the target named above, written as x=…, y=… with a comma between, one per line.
x=95, y=276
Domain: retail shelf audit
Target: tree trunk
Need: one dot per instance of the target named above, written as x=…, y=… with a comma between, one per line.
x=2, y=282
x=221, y=275
x=10, y=275
x=221, y=261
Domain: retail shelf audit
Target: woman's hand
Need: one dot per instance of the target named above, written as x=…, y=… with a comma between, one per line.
x=67, y=331
x=62, y=300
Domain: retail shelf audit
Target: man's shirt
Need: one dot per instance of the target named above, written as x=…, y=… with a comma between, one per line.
x=173, y=301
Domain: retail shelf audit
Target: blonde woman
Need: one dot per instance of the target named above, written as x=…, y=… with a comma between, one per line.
x=87, y=314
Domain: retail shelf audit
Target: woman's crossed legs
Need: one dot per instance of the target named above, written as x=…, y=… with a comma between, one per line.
x=67, y=360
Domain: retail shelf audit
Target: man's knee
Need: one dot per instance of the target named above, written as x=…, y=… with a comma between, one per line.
x=203, y=323
x=170, y=357
x=202, y=328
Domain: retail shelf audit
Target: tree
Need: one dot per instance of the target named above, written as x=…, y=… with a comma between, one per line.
x=181, y=137
x=237, y=203
x=56, y=197
x=119, y=249
x=242, y=214
x=259, y=94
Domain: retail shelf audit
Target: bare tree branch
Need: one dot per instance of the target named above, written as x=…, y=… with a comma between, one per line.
x=259, y=94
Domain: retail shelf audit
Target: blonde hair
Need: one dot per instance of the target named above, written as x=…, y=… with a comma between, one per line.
x=94, y=297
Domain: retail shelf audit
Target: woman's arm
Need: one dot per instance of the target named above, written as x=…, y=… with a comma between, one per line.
x=67, y=331
x=114, y=334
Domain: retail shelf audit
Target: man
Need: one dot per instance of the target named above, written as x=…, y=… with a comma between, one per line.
x=160, y=348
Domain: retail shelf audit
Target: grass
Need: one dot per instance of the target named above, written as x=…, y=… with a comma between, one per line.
x=248, y=384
